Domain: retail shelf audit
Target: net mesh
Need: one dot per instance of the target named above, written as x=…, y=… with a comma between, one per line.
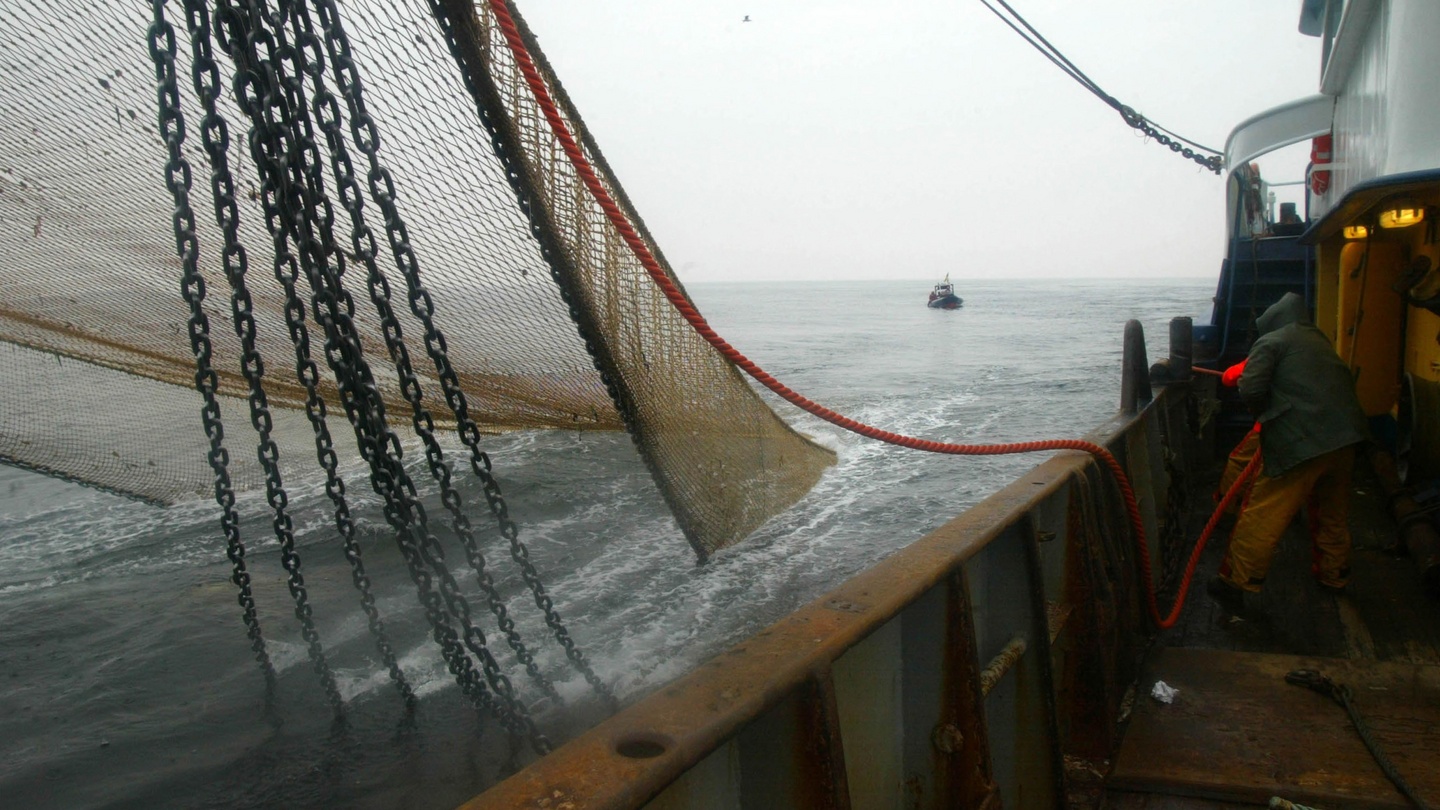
x=548, y=319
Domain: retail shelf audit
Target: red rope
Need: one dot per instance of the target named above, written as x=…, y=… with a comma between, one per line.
x=692, y=316
x=1241, y=483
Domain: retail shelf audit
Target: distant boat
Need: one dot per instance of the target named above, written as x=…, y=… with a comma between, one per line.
x=944, y=297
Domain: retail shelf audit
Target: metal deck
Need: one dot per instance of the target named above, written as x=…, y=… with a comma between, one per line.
x=1237, y=731
x=1384, y=615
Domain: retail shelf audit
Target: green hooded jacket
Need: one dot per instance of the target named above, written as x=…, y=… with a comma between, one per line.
x=1299, y=389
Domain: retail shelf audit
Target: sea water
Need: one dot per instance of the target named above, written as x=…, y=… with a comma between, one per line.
x=127, y=677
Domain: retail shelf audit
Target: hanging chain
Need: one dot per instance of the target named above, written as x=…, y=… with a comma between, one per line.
x=241, y=39
x=382, y=189
x=1214, y=163
x=302, y=134
x=423, y=308
x=291, y=192
x=364, y=245
x=272, y=66
x=206, y=77
x=253, y=369
x=161, y=39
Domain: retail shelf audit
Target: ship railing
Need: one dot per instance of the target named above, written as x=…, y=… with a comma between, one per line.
x=987, y=664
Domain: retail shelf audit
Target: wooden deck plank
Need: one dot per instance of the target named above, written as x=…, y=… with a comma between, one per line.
x=1238, y=732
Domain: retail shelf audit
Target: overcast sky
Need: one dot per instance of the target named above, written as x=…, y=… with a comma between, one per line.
x=840, y=139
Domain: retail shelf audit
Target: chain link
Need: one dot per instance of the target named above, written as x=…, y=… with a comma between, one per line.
x=1174, y=539
x=252, y=367
x=431, y=551
x=267, y=143
x=161, y=40
x=278, y=57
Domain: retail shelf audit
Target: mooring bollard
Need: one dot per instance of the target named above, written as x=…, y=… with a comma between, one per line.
x=1135, y=370
x=1181, y=348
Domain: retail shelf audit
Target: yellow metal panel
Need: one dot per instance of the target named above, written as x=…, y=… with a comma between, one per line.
x=1369, y=316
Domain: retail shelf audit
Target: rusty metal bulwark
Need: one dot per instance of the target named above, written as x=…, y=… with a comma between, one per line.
x=1087, y=648
x=706, y=718
x=961, y=742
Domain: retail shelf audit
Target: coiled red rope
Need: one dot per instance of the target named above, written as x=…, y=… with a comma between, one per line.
x=672, y=293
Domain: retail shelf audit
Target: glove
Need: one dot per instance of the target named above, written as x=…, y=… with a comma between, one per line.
x=1231, y=377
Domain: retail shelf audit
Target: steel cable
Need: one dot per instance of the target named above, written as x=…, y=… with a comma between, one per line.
x=1149, y=128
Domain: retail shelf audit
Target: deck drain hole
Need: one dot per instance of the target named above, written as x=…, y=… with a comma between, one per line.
x=638, y=747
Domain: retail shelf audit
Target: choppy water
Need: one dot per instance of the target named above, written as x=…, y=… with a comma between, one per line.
x=126, y=674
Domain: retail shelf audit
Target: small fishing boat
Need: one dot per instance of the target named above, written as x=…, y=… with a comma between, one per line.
x=944, y=297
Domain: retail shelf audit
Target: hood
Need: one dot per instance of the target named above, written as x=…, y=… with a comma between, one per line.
x=1289, y=309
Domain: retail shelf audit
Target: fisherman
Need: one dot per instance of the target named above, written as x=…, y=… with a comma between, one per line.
x=1240, y=458
x=1304, y=398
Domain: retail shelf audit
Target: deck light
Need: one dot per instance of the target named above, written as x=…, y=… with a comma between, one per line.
x=1356, y=231
x=1402, y=216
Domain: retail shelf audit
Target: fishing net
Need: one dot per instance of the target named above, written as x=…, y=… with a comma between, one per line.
x=544, y=314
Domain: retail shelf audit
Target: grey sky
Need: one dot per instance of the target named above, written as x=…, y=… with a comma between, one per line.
x=870, y=140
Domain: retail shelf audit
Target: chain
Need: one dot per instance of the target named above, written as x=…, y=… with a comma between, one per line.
x=289, y=193
x=423, y=307
x=1213, y=163
x=161, y=39
x=1036, y=40
x=433, y=554
x=253, y=369
x=241, y=40
x=367, y=139
x=1174, y=547
x=206, y=76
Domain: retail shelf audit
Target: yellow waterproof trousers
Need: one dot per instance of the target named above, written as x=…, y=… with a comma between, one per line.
x=1272, y=505
x=1235, y=464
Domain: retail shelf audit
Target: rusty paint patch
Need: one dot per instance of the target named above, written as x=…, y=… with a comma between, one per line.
x=846, y=606
x=947, y=738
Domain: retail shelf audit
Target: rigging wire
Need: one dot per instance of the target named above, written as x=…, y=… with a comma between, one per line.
x=1150, y=129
